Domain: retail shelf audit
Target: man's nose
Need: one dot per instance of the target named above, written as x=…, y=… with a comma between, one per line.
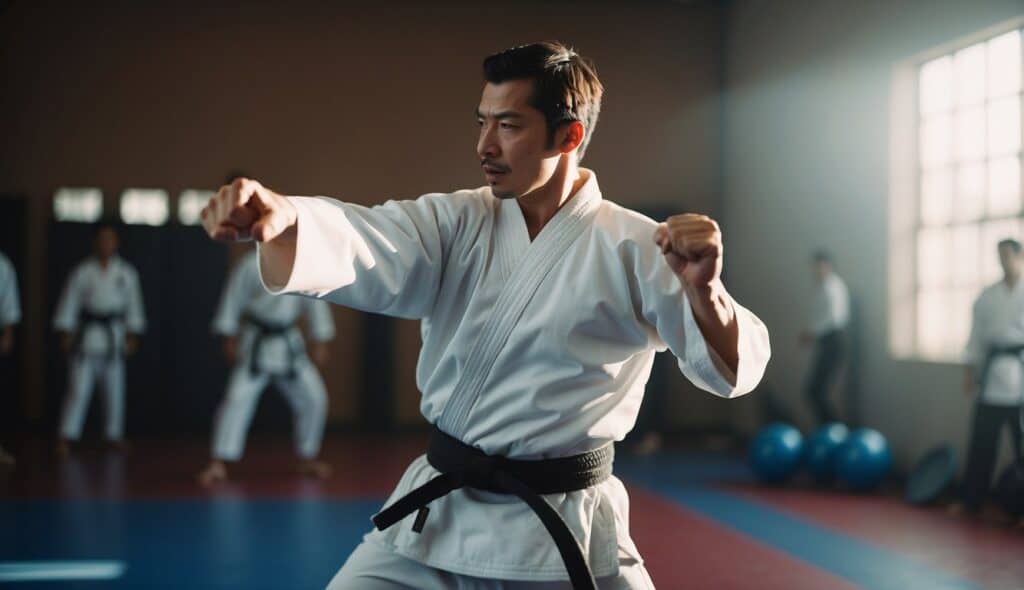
x=487, y=147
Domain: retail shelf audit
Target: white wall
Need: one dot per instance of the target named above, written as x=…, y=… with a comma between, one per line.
x=805, y=164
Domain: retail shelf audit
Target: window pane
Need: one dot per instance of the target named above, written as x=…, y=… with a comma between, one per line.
x=145, y=206
x=190, y=203
x=1004, y=187
x=965, y=256
x=970, y=75
x=970, y=134
x=1004, y=64
x=936, y=140
x=931, y=322
x=933, y=257
x=84, y=205
x=936, y=85
x=936, y=197
x=1004, y=126
x=970, y=192
x=991, y=234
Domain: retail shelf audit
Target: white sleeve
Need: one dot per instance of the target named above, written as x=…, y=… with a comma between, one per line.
x=975, y=351
x=386, y=259
x=237, y=294
x=65, y=318
x=319, y=319
x=10, y=306
x=135, y=314
x=830, y=318
x=838, y=304
x=666, y=307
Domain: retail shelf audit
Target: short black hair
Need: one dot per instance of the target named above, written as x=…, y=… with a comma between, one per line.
x=1010, y=243
x=106, y=223
x=821, y=255
x=566, y=86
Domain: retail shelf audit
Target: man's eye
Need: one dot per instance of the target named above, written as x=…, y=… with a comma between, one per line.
x=507, y=126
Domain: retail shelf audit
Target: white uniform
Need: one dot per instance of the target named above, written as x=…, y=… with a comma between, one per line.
x=94, y=291
x=10, y=306
x=998, y=320
x=830, y=310
x=275, y=351
x=530, y=350
x=10, y=314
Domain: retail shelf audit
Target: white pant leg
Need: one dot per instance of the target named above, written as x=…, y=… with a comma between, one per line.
x=112, y=372
x=231, y=424
x=632, y=576
x=372, y=567
x=308, y=397
x=82, y=373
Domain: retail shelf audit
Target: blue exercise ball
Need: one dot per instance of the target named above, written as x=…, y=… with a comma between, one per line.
x=820, y=450
x=863, y=460
x=775, y=452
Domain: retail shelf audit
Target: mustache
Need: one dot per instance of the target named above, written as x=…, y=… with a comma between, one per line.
x=494, y=165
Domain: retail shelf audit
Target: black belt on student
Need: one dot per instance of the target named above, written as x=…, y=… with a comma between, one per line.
x=265, y=331
x=995, y=352
x=464, y=466
x=105, y=321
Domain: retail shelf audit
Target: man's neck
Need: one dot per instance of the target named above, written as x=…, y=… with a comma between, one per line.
x=540, y=206
x=104, y=261
x=1011, y=281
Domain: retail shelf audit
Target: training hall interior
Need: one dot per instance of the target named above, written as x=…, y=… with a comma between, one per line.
x=861, y=161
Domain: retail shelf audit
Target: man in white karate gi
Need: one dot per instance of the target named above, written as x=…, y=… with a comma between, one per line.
x=994, y=373
x=10, y=316
x=263, y=342
x=99, y=318
x=827, y=332
x=542, y=305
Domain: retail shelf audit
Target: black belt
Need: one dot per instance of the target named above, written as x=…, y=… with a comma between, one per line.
x=105, y=320
x=464, y=466
x=994, y=352
x=265, y=331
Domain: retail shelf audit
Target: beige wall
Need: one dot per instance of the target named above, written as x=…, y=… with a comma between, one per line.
x=806, y=151
x=360, y=100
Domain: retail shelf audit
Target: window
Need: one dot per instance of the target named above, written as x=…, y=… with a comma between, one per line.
x=83, y=205
x=190, y=204
x=144, y=206
x=967, y=189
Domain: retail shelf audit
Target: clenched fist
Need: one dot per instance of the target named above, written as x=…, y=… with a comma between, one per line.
x=692, y=245
x=246, y=210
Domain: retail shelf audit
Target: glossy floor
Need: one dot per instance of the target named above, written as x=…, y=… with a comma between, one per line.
x=105, y=520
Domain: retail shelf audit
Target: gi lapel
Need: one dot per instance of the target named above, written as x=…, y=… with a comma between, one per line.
x=543, y=255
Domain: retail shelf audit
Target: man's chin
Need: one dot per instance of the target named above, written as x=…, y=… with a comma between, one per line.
x=503, y=193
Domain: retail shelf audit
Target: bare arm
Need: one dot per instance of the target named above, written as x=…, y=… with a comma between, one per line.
x=692, y=246
x=970, y=381
x=277, y=257
x=713, y=310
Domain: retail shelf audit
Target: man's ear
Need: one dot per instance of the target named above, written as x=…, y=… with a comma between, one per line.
x=572, y=135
